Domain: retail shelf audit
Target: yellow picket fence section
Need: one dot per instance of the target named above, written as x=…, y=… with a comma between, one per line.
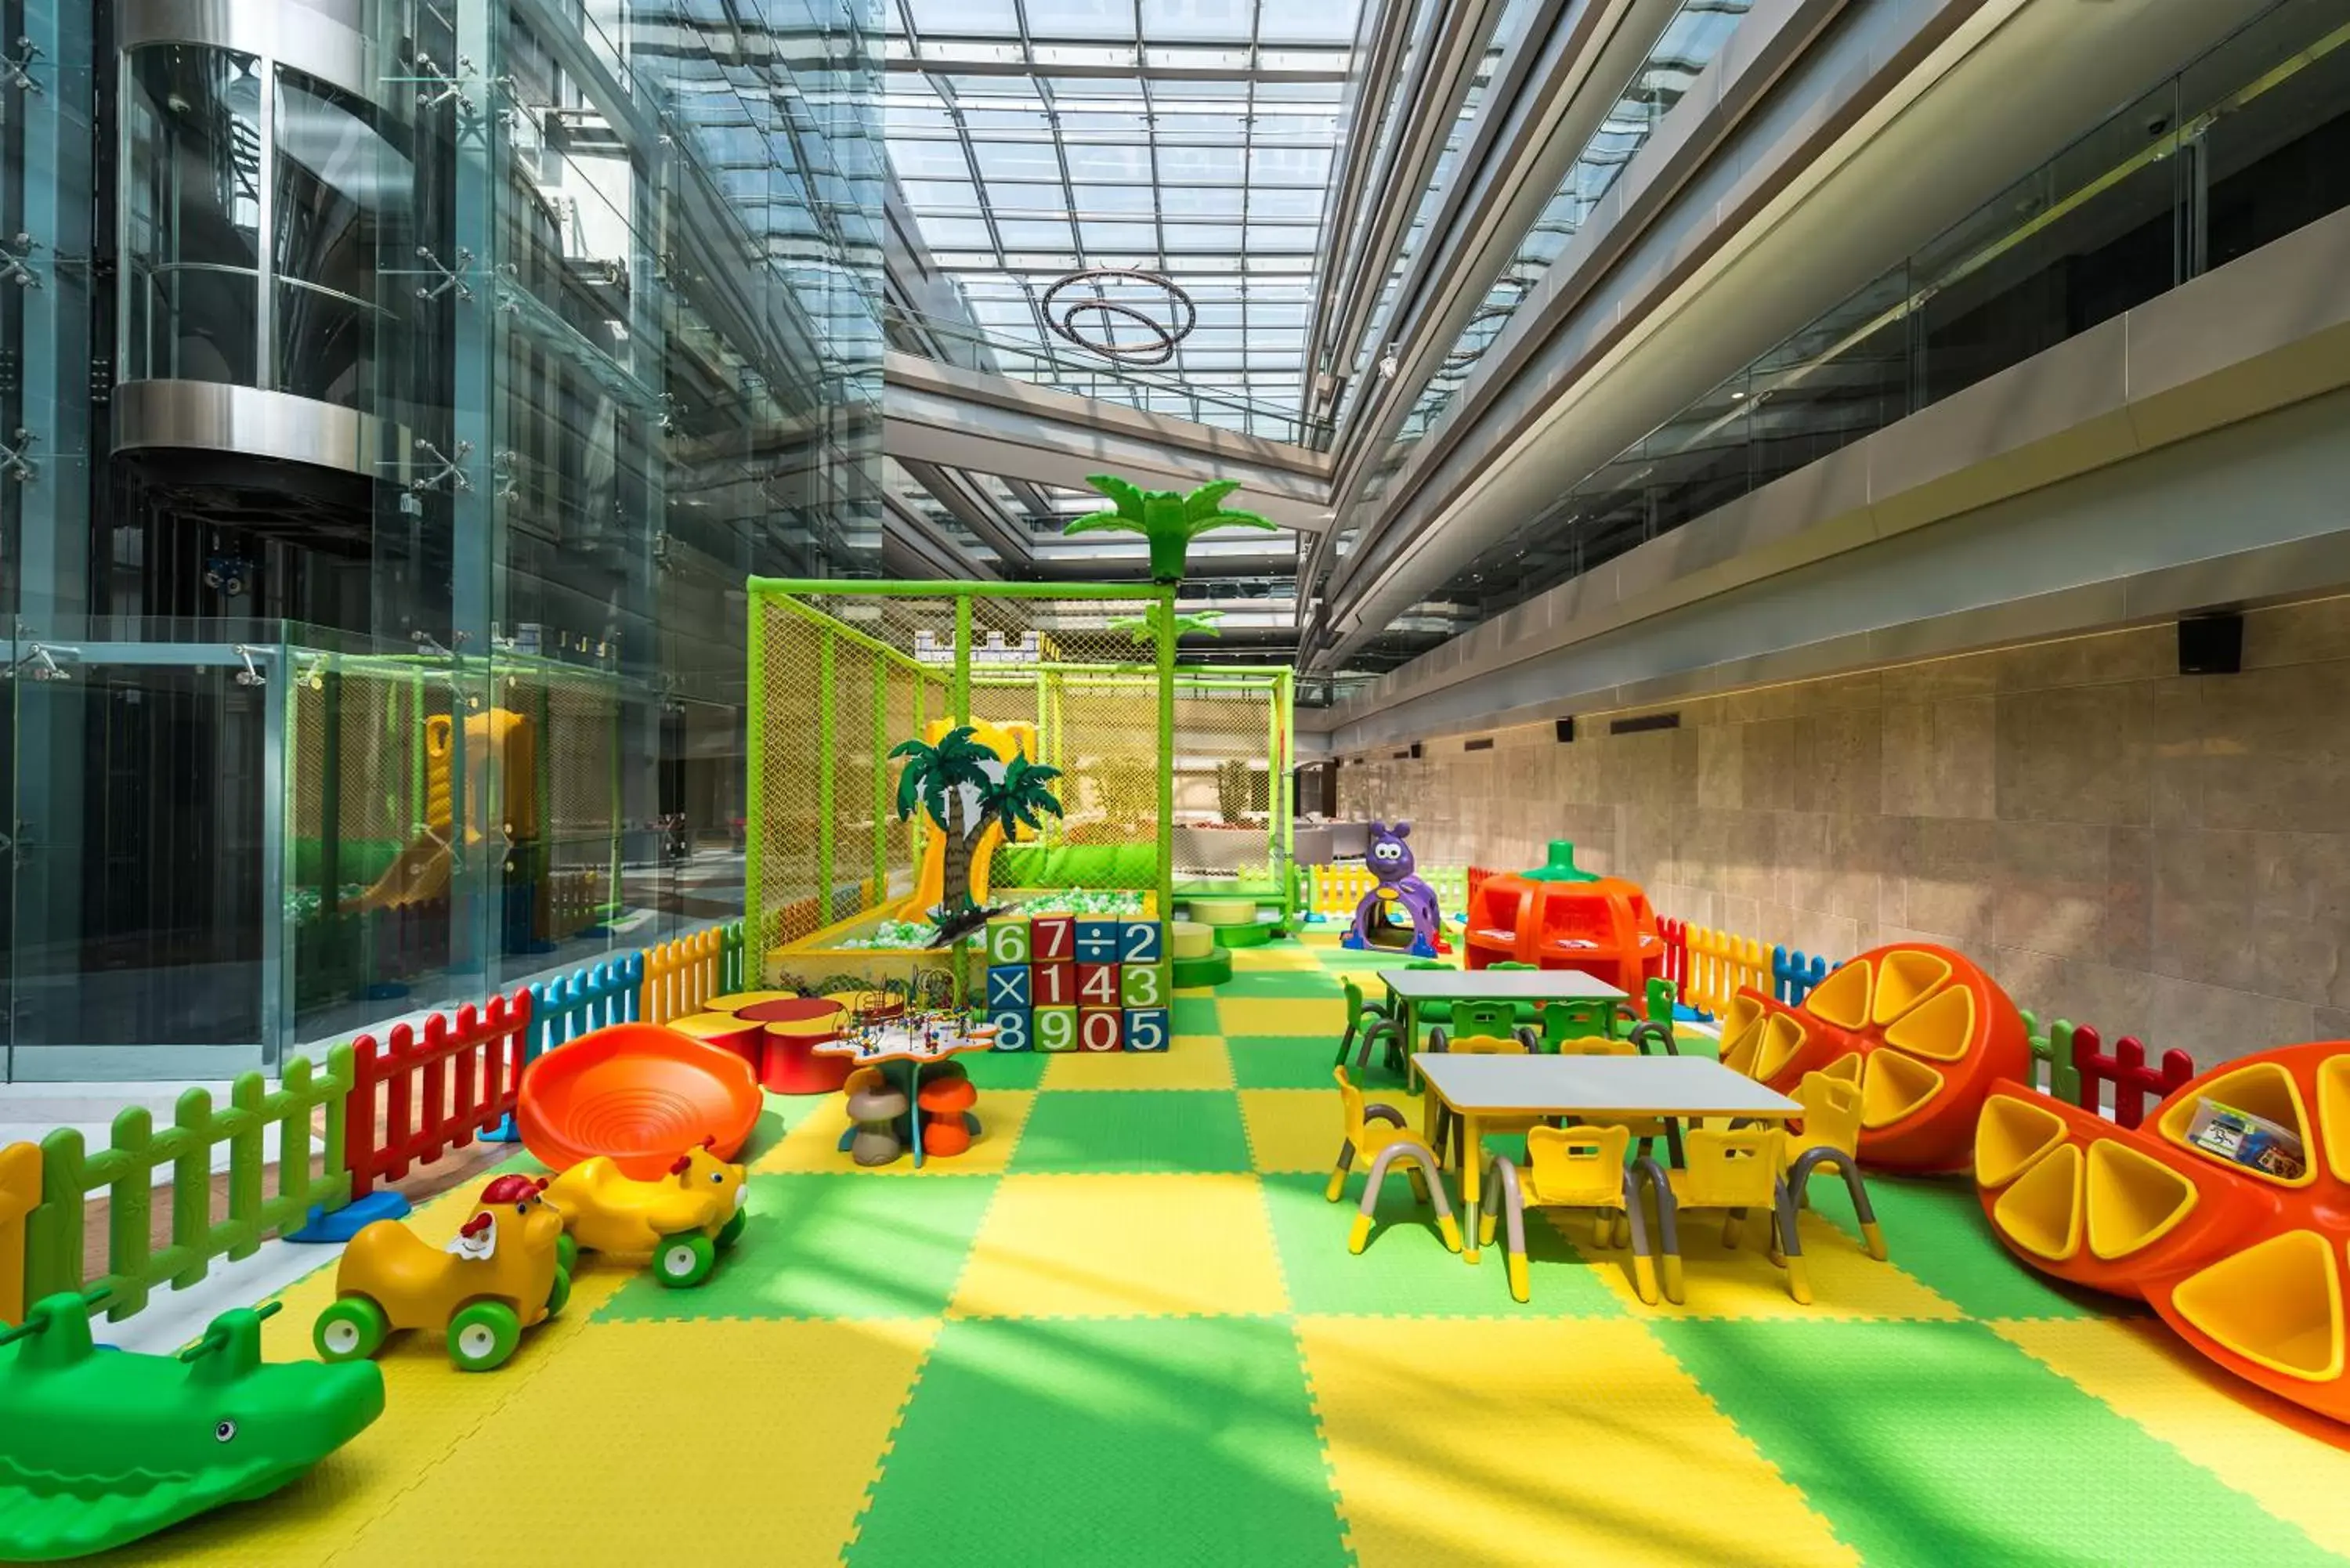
x=682, y=976
x=1338, y=890
x=20, y=1190
x=1719, y=964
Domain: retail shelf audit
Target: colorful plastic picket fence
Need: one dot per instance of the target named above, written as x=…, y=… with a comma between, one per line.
x=126, y=1170
x=419, y=1093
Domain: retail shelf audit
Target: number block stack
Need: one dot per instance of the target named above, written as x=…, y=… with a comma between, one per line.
x=1061, y=982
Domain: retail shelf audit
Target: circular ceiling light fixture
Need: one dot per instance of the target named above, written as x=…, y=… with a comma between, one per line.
x=1125, y=314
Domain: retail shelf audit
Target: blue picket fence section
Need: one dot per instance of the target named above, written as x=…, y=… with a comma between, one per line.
x=570, y=1006
x=1792, y=975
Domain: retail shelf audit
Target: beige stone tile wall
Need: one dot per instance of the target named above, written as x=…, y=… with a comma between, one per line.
x=2159, y=854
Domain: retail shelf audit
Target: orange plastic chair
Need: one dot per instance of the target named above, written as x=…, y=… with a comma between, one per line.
x=1580, y=1167
x=1379, y=1134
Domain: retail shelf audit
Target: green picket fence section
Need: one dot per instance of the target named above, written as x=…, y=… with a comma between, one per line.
x=126, y=1172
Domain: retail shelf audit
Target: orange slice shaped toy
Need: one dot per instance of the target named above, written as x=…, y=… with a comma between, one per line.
x=1922, y=1029
x=2207, y=1211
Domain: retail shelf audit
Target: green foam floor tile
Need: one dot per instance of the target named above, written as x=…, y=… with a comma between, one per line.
x=1195, y=1015
x=1940, y=1443
x=1125, y=1131
x=1405, y=1270
x=846, y=1246
x=1006, y=1069
x=1280, y=982
x=1168, y=1441
x=1351, y=960
x=1937, y=1233
x=1290, y=1061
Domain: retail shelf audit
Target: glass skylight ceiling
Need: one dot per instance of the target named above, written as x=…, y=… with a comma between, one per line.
x=1189, y=138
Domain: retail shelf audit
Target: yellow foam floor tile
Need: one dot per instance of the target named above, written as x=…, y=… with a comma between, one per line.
x=1741, y=1281
x=430, y=1408
x=1122, y=1246
x=707, y=1443
x=1292, y=1130
x=1461, y=1441
x=1273, y=960
x=1320, y=1017
x=2261, y=1444
x=813, y=1148
x=1190, y=1062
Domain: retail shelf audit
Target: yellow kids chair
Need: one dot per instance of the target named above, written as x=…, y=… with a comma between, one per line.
x=1736, y=1170
x=1448, y=1135
x=1381, y=1135
x=1573, y=1167
x=1829, y=1140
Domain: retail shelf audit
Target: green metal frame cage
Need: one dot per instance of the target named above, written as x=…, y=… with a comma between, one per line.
x=840, y=672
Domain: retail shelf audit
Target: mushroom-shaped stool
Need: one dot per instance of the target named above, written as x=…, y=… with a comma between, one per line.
x=945, y=1100
x=875, y=1104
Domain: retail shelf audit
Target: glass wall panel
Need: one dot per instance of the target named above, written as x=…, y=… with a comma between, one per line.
x=191, y=214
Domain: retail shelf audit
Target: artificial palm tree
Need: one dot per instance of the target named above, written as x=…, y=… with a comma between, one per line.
x=1144, y=627
x=1019, y=799
x=1167, y=519
x=942, y=779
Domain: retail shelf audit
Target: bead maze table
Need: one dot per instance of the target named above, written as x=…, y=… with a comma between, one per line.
x=901, y=1047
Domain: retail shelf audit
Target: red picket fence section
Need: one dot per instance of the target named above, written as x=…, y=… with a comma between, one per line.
x=1472, y=880
x=2136, y=1085
x=1674, y=934
x=421, y=1092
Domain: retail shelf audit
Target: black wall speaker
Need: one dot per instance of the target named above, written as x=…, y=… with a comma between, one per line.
x=1563, y=728
x=2212, y=644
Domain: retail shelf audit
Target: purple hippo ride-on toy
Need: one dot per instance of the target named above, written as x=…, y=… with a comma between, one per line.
x=1398, y=892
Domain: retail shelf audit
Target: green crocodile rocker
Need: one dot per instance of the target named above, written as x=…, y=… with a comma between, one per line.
x=101, y=1446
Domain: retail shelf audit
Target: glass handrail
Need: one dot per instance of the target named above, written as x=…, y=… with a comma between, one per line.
x=1066, y=367
x=1685, y=46
x=2158, y=193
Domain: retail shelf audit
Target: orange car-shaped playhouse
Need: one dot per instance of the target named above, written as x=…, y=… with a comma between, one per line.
x=501, y=1275
x=685, y=1220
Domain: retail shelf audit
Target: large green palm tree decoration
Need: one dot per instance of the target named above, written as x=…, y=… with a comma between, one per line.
x=1167, y=519
x=945, y=780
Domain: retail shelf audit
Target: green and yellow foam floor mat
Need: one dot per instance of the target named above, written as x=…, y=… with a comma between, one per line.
x=1125, y=1329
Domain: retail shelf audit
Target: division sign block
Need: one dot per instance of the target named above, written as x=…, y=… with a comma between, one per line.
x=1097, y=941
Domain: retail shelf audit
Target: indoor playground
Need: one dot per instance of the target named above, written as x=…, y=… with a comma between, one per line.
x=1048, y=1167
